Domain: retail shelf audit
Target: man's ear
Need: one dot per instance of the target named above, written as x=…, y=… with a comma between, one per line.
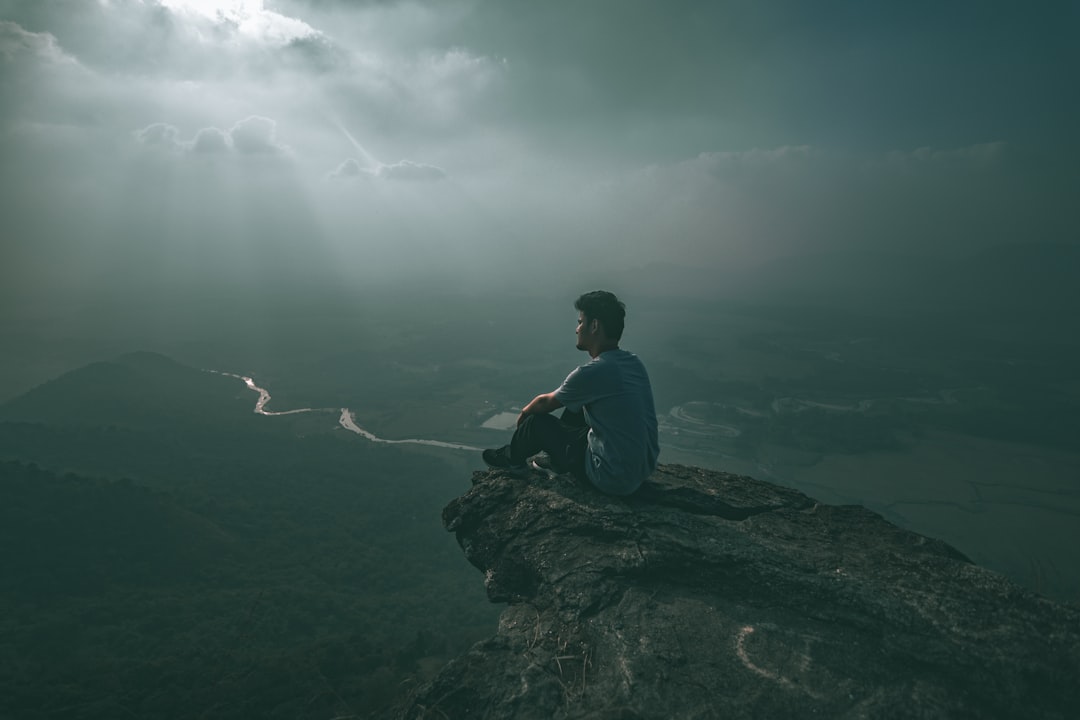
x=594, y=326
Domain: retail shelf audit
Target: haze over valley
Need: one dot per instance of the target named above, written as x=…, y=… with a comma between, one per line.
x=843, y=234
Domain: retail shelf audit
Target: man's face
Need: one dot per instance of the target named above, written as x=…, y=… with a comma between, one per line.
x=584, y=332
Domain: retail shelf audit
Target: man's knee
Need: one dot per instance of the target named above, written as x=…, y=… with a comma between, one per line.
x=538, y=432
x=532, y=423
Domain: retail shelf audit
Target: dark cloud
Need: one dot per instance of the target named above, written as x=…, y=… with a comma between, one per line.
x=32, y=65
x=118, y=35
x=677, y=78
x=315, y=52
x=16, y=42
x=710, y=134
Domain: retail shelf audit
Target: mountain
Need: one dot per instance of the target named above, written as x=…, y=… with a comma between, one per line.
x=712, y=595
x=140, y=390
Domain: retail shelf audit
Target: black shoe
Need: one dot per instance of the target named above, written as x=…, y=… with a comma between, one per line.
x=544, y=462
x=500, y=459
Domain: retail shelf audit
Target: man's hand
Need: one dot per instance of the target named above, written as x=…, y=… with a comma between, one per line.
x=539, y=405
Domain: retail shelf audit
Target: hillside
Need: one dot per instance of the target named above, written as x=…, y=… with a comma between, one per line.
x=140, y=390
x=167, y=549
x=167, y=552
x=74, y=535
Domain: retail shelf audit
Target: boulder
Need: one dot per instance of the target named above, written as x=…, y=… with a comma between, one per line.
x=711, y=595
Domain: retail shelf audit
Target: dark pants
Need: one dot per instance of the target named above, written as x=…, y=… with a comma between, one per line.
x=564, y=439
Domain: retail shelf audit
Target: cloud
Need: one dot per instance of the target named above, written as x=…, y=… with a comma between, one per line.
x=160, y=135
x=210, y=141
x=246, y=18
x=350, y=168
x=254, y=135
x=978, y=155
x=178, y=39
x=720, y=163
x=787, y=162
x=197, y=62
x=694, y=136
x=316, y=53
x=39, y=81
x=17, y=43
x=409, y=171
x=402, y=171
x=445, y=92
x=720, y=207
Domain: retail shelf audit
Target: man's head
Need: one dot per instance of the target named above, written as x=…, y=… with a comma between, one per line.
x=600, y=323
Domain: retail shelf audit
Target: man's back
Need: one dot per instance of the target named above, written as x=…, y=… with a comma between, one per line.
x=614, y=391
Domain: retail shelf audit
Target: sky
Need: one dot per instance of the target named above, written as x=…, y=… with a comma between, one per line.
x=156, y=146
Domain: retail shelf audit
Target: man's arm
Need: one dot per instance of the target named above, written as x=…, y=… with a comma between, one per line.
x=539, y=405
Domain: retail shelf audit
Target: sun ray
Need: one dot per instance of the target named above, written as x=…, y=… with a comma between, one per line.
x=367, y=157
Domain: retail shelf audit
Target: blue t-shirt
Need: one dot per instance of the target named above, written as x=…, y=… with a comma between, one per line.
x=613, y=388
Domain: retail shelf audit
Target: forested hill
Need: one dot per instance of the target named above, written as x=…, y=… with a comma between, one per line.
x=74, y=536
x=140, y=390
x=167, y=553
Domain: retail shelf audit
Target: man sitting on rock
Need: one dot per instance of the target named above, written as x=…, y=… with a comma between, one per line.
x=606, y=434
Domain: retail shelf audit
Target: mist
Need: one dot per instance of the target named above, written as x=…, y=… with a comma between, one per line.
x=844, y=233
x=185, y=143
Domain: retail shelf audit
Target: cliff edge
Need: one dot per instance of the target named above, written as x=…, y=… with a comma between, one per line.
x=711, y=595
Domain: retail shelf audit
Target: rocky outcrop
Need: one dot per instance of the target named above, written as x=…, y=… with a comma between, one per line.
x=710, y=595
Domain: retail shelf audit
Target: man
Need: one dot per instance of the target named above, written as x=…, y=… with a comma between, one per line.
x=607, y=432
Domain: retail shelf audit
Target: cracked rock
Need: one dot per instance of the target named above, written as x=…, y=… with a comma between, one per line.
x=711, y=595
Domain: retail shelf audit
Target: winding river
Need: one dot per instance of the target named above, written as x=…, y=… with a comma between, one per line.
x=346, y=419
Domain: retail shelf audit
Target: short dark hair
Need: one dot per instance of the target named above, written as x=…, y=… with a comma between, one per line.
x=605, y=307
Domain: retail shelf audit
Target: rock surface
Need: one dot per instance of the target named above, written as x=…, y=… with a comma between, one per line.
x=710, y=595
